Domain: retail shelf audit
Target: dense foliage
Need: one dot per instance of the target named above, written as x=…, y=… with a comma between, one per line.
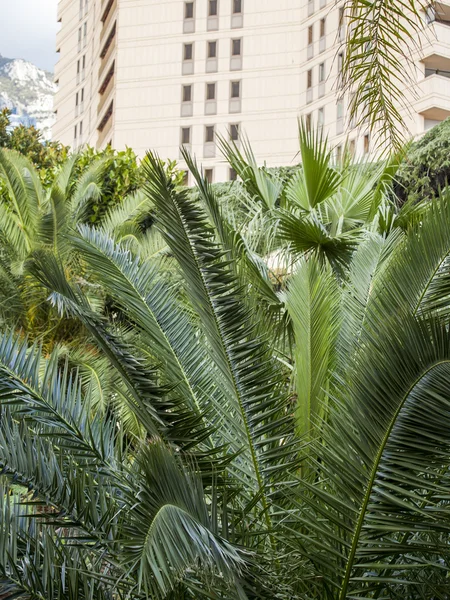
x=425, y=170
x=233, y=392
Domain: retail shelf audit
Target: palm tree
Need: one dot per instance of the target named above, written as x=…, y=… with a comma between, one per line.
x=227, y=490
x=34, y=217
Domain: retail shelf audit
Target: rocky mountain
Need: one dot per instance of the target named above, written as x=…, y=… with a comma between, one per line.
x=28, y=91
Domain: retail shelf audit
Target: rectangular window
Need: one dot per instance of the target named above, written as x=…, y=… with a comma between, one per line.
x=341, y=16
x=81, y=128
x=339, y=154
x=235, y=89
x=322, y=28
x=209, y=133
x=366, y=144
x=188, y=51
x=321, y=72
x=237, y=7
x=187, y=93
x=209, y=175
x=321, y=117
x=78, y=67
x=84, y=62
x=234, y=132
x=75, y=133
x=212, y=49
x=80, y=34
x=212, y=8
x=189, y=10
x=186, y=178
x=82, y=95
x=185, y=135
x=210, y=91
x=340, y=62
x=339, y=109
x=309, y=79
x=76, y=99
x=310, y=35
x=232, y=174
x=236, y=46
x=308, y=122
x=352, y=148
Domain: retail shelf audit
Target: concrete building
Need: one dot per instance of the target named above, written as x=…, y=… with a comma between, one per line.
x=158, y=74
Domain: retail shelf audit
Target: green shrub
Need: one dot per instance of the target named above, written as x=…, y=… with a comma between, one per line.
x=426, y=167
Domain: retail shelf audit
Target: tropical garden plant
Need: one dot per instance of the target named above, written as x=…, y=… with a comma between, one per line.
x=222, y=430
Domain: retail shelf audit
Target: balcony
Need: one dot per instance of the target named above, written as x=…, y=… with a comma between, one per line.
x=107, y=52
x=435, y=53
x=108, y=17
x=105, y=124
x=434, y=98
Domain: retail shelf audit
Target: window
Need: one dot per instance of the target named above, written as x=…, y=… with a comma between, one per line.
x=234, y=132
x=235, y=89
x=187, y=93
x=78, y=67
x=366, y=144
x=188, y=51
x=341, y=16
x=75, y=133
x=82, y=95
x=339, y=109
x=352, y=148
x=322, y=72
x=81, y=128
x=236, y=46
x=310, y=35
x=185, y=178
x=308, y=122
x=84, y=62
x=339, y=154
x=185, y=135
x=309, y=79
x=322, y=28
x=210, y=91
x=232, y=175
x=209, y=175
x=212, y=49
x=340, y=62
x=76, y=99
x=237, y=7
x=209, y=133
x=85, y=33
x=212, y=8
x=321, y=117
x=189, y=10
x=430, y=14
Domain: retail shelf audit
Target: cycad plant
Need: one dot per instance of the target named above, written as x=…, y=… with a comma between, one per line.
x=235, y=484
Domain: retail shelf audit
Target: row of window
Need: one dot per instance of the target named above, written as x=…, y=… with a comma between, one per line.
x=213, y=8
x=212, y=49
x=339, y=127
x=209, y=134
x=209, y=175
x=323, y=32
x=210, y=91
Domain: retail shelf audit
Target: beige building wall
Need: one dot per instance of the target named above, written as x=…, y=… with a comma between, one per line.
x=155, y=74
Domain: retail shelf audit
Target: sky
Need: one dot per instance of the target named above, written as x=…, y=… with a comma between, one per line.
x=28, y=30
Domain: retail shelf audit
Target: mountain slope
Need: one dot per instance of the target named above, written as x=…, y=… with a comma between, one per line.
x=28, y=91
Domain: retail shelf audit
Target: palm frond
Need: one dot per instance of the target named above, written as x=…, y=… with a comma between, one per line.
x=255, y=396
x=380, y=41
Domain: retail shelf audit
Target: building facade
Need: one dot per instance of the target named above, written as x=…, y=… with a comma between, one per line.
x=160, y=74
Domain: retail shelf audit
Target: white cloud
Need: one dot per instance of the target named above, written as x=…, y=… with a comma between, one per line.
x=28, y=29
